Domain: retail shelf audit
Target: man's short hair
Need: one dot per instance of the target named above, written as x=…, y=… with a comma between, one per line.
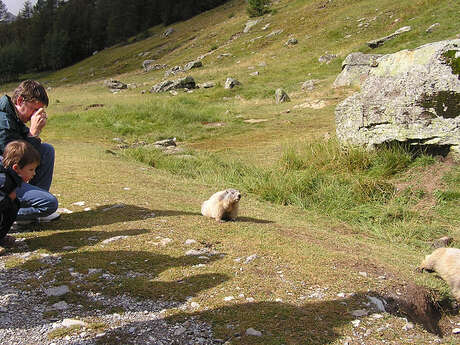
x=31, y=91
x=20, y=152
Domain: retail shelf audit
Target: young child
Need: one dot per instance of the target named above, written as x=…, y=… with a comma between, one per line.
x=20, y=159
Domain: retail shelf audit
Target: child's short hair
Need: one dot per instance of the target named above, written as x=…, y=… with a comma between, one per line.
x=20, y=152
x=31, y=91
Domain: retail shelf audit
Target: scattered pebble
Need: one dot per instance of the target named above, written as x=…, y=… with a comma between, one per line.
x=73, y=322
x=113, y=239
x=63, y=210
x=79, y=203
x=250, y=258
x=253, y=332
x=57, y=291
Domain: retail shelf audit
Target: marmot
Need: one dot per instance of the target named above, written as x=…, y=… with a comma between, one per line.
x=445, y=262
x=222, y=205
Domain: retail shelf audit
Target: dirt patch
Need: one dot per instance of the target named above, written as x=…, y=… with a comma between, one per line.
x=427, y=179
x=417, y=304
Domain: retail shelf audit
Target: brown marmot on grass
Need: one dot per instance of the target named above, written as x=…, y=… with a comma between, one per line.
x=445, y=262
x=222, y=205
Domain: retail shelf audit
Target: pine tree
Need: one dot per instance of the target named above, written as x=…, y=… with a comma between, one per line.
x=3, y=12
x=257, y=8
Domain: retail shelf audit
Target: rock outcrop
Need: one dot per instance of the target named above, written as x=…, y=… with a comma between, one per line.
x=281, y=96
x=410, y=96
x=115, y=84
x=378, y=42
x=167, y=85
x=355, y=69
x=230, y=83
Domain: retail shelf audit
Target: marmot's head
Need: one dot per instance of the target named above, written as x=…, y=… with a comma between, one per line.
x=232, y=195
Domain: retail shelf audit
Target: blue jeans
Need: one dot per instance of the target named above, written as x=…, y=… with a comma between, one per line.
x=34, y=197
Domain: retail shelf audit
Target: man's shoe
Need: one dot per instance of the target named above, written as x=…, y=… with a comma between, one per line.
x=51, y=217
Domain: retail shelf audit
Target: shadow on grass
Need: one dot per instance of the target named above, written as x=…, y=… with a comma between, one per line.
x=57, y=242
x=105, y=215
x=314, y=323
x=253, y=220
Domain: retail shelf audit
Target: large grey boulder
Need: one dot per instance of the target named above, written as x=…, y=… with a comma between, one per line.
x=250, y=24
x=281, y=96
x=150, y=65
x=193, y=64
x=355, y=69
x=115, y=84
x=167, y=85
x=379, y=41
x=410, y=96
x=230, y=83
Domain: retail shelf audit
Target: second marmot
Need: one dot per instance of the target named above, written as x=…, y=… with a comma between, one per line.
x=445, y=262
x=222, y=205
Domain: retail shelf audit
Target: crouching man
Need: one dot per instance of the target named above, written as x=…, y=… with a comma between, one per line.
x=29, y=99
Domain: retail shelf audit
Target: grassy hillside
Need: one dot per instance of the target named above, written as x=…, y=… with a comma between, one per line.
x=333, y=221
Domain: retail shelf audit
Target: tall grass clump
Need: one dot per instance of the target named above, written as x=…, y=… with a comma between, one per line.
x=349, y=184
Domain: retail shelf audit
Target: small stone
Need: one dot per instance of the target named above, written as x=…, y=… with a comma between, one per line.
x=456, y=331
x=115, y=238
x=408, y=326
x=179, y=331
x=94, y=270
x=359, y=313
x=190, y=242
x=57, y=291
x=355, y=323
x=62, y=305
x=79, y=203
x=250, y=258
x=229, y=298
x=165, y=241
x=73, y=322
x=64, y=210
x=252, y=331
x=364, y=274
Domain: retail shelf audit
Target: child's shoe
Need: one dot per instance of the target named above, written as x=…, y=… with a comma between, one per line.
x=8, y=241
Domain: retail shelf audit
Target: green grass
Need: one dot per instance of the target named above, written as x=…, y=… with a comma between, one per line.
x=345, y=183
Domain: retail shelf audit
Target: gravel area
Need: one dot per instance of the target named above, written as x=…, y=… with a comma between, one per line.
x=33, y=315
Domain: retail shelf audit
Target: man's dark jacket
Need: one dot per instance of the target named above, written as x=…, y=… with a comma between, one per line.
x=11, y=127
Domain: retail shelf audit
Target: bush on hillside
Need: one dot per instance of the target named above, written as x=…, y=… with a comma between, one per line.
x=257, y=8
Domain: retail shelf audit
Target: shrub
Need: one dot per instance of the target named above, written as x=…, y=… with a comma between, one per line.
x=257, y=8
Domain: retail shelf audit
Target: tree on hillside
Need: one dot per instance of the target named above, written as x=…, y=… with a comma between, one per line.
x=257, y=8
x=56, y=33
x=3, y=12
x=26, y=11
